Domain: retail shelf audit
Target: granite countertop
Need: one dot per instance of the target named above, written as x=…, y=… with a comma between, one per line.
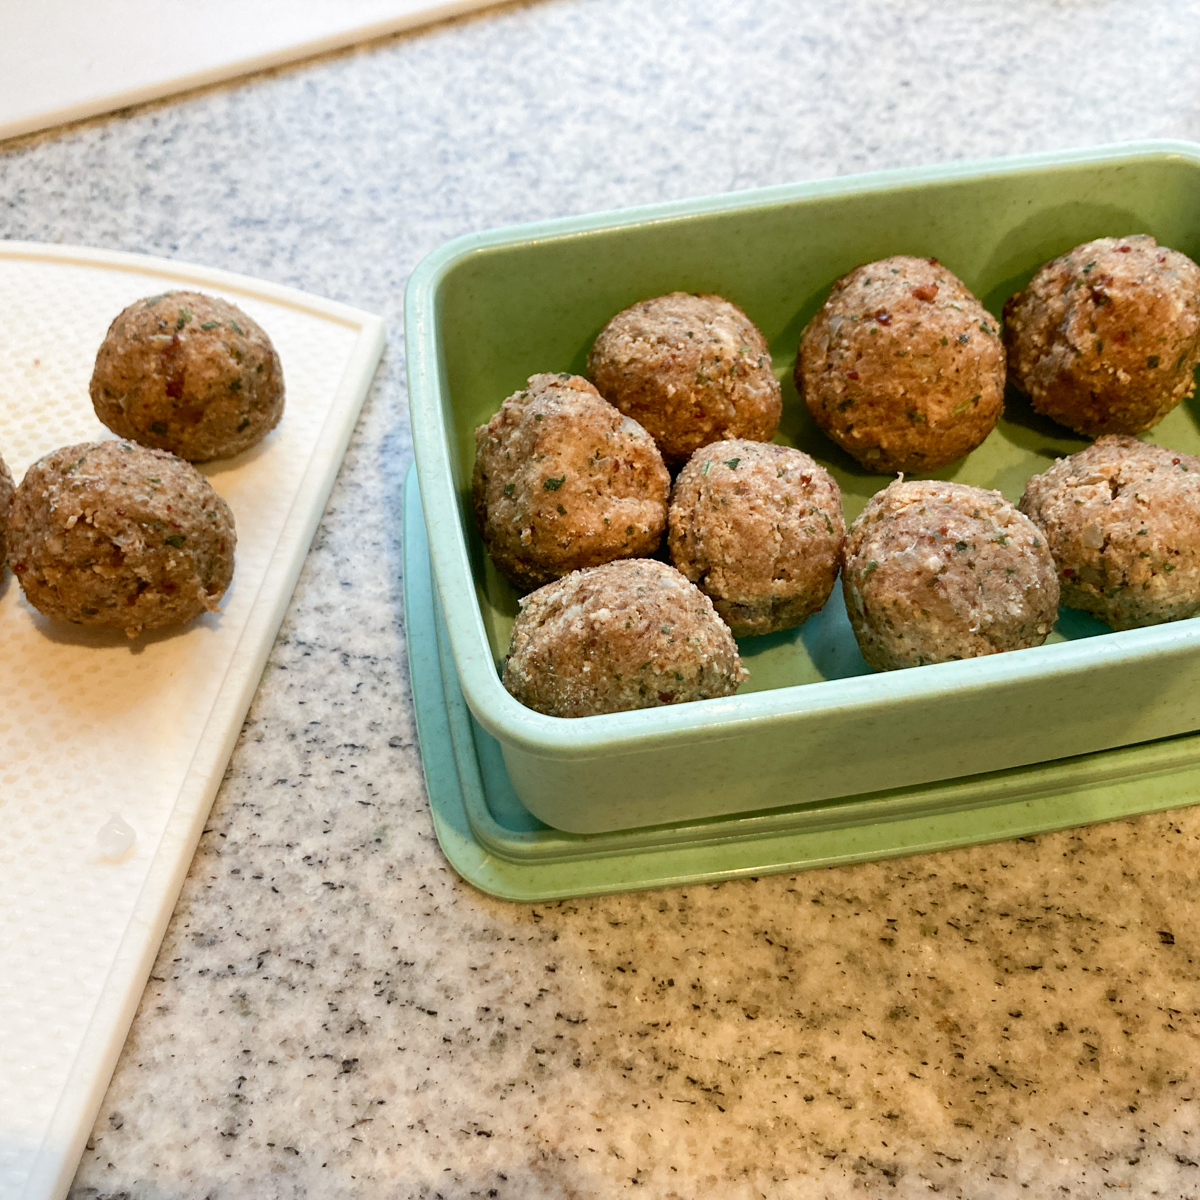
x=333, y=1012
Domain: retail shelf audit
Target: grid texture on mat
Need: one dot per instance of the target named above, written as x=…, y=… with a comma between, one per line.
x=93, y=724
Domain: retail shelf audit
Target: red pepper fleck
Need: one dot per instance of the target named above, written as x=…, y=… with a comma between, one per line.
x=926, y=291
x=1120, y=336
x=1068, y=571
x=19, y=568
x=1123, y=249
x=851, y=374
x=665, y=697
x=1174, y=463
x=933, y=262
x=883, y=317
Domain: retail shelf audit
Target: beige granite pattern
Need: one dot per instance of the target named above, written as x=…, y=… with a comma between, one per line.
x=333, y=1013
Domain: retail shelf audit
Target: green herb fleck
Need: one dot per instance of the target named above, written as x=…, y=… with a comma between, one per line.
x=552, y=485
x=1152, y=361
x=176, y=540
x=210, y=325
x=707, y=464
x=244, y=423
x=961, y=546
x=237, y=328
x=562, y=511
x=151, y=301
x=945, y=342
x=1168, y=567
x=964, y=338
x=158, y=427
x=235, y=385
x=1089, y=266
x=185, y=315
x=732, y=463
x=509, y=488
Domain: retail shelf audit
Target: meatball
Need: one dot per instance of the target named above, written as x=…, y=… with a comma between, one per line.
x=1122, y=519
x=1105, y=339
x=937, y=571
x=563, y=481
x=759, y=528
x=626, y=635
x=6, y=495
x=902, y=367
x=117, y=535
x=188, y=373
x=691, y=369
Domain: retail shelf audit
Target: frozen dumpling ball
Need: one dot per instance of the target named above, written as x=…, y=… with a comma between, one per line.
x=937, y=571
x=902, y=367
x=691, y=370
x=1105, y=338
x=759, y=528
x=626, y=635
x=563, y=481
x=188, y=373
x=1122, y=519
x=118, y=535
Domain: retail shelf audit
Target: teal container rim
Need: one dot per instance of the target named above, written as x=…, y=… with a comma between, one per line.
x=587, y=737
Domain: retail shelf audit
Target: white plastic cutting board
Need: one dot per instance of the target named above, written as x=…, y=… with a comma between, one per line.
x=61, y=60
x=93, y=724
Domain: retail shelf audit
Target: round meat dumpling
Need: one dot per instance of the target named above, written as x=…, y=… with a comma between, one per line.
x=938, y=571
x=759, y=528
x=6, y=495
x=188, y=373
x=118, y=535
x=1105, y=338
x=563, y=481
x=691, y=369
x=1122, y=519
x=629, y=634
x=902, y=367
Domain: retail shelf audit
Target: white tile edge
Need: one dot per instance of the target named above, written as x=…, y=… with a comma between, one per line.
x=35, y=122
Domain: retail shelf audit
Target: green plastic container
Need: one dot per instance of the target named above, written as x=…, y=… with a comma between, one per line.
x=486, y=311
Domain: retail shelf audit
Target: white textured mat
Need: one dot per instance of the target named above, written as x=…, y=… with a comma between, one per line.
x=61, y=60
x=92, y=724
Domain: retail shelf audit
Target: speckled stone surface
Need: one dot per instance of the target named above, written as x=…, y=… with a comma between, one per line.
x=333, y=1014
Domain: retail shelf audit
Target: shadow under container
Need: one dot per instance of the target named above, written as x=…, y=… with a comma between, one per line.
x=488, y=310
